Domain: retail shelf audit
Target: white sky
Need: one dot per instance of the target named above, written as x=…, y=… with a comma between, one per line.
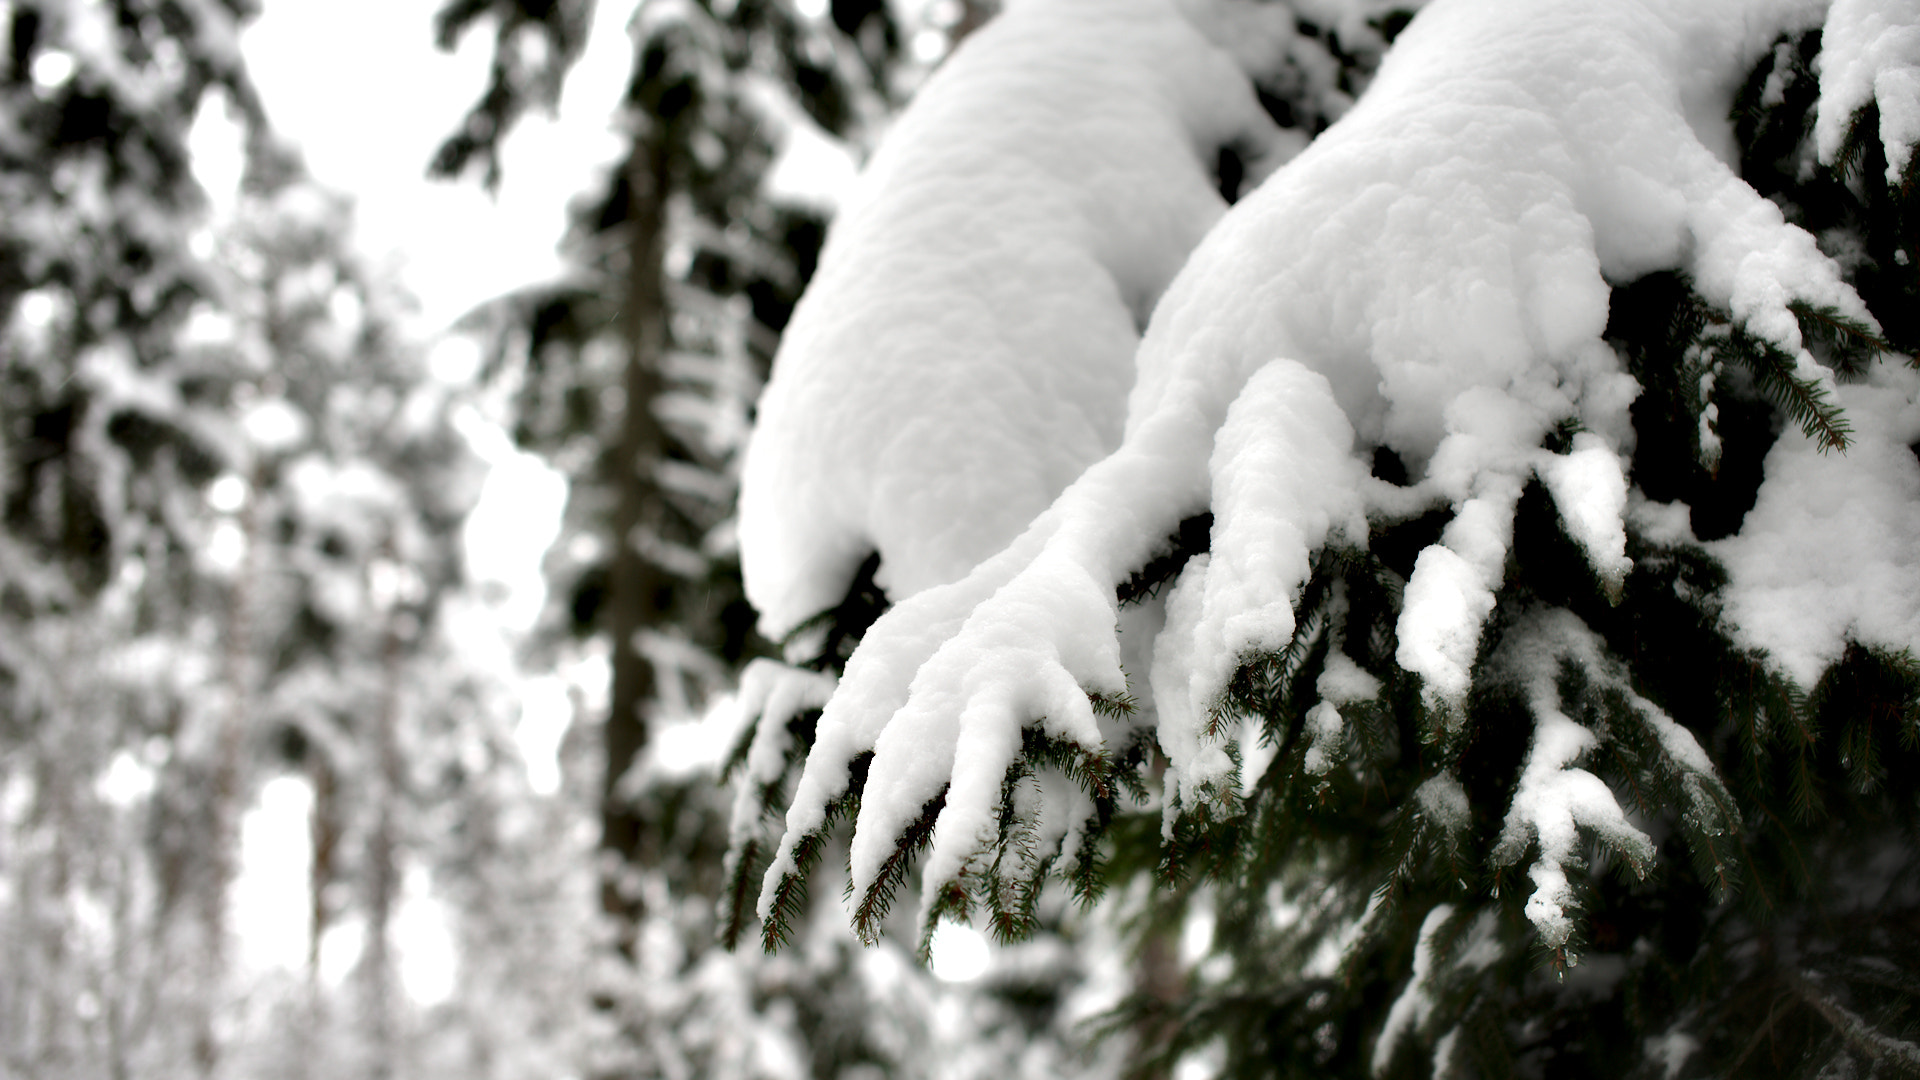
x=358, y=85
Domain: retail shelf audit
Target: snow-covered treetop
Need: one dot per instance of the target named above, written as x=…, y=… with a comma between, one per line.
x=1428, y=282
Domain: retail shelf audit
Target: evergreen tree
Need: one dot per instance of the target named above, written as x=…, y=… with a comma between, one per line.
x=232, y=519
x=343, y=514
x=107, y=442
x=734, y=259
x=1507, y=543
x=636, y=378
x=629, y=335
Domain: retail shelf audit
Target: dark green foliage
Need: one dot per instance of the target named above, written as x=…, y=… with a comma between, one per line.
x=1316, y=83
x=839, y=628
x=789, y=902
x=1009, y=891
x=1673, y=942
x=1149, y=579
x=747, y=862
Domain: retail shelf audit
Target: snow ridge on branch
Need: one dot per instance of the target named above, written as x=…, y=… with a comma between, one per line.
x=966, y=347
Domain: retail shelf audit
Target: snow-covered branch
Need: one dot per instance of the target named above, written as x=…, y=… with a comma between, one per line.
x=1426, y=285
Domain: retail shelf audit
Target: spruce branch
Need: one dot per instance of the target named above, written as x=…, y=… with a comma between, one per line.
x=831, y=635
x=1012, y=880
x=1700, y=377
x=740, y=868
x=953, y=901
x=1849, y=344
x=1120, y=706
x=736, y=755
x=1429, y=828
x=1900, y=1055
x=746, y=861
x=1850, y=162
x=1881, y=974
x=1266, y=684
x=790, y=893
x=1193, y=537
x=877, y=901
x=1198, y=839
x=1643, y=740
x=1711, y=834
x=1804, y=400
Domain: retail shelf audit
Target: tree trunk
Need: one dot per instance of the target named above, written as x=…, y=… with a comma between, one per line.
x=634, y=600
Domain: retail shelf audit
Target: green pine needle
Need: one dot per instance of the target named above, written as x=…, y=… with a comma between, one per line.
x=877, y=901
x=1805, y=401
x=1847, y=343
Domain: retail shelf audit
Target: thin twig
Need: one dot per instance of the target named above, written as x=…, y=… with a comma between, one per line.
x=1900, y=1053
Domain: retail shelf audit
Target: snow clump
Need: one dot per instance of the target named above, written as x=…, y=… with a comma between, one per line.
x=966, y=347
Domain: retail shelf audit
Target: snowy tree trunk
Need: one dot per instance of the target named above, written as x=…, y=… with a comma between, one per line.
x=224, y=809
x=383, y=854
x=324, y=832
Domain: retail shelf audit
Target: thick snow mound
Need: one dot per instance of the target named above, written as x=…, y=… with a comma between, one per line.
x=1870, y=54
x=1828, y=553
x=967, y=346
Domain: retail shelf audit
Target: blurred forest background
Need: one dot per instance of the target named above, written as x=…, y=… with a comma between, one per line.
x=274, y=799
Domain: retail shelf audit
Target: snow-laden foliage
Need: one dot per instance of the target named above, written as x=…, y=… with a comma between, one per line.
x=1549, y=354
x=1423, y=273
x=1870, y=55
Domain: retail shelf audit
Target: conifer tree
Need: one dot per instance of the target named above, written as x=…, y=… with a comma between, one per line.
x=697, y=160
x=635, y=376
x=1507, y=542
x=344, y=511
x=232, y=512
x=106, y=445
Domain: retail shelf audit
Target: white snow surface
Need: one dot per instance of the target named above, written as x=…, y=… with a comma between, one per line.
x=1590, y=488
x=1870, y=53
x=1671, y=1050
x=1341, y=682
x=1444, y=802
x=966, y=348
x=1828, y=555
x=1284, y=480
x=1444, y=1067
x=1434, y=270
